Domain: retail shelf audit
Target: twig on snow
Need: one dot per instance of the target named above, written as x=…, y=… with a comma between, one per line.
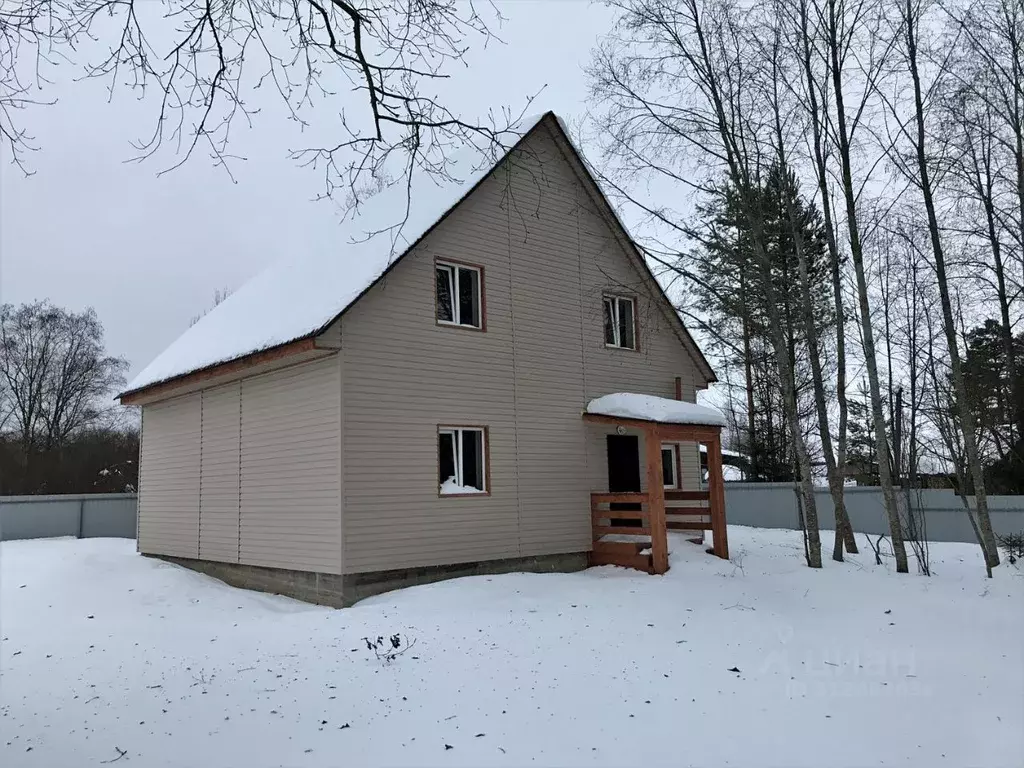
x=120, y=753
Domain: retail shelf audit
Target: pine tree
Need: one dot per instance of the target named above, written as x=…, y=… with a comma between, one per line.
x=992, y=404
x=861, y=452
x=728, y=290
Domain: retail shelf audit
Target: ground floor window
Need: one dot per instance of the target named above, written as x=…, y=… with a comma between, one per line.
x=670, y=465
x=462, y=460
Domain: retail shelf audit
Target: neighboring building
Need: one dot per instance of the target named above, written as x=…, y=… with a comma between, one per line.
x=735, y=465
x=376, y=415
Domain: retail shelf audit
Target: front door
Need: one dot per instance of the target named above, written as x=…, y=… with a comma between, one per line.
x=624, y=473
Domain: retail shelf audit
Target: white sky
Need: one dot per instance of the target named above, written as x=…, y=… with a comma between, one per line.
x=89, y=229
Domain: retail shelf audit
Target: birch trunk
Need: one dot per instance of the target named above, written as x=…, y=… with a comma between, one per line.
x=966, y=419
x=833, y=464
x=857, y=256
x=748, y=373
x=739, y=162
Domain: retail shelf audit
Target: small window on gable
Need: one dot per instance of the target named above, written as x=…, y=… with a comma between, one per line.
x=459, y=295
x=669, y=465
x=461, y=460
x=620, y=322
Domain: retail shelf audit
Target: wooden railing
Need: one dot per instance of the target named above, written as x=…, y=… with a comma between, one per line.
x=598, y=513
x=625, y=553
x=679, y=517
x=687, y=495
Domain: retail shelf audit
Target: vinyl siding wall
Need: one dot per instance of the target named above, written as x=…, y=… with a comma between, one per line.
x=169, y=477
x=290, y=510
x=218, y=478
x=548, y=257
x=248, y=472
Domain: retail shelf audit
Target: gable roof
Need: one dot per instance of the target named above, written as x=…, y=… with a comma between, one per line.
x=299, y=298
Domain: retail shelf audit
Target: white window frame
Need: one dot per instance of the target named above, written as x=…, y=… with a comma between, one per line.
x=452, y=268
x=456, y=433
x=616, y=330
x=674, y=449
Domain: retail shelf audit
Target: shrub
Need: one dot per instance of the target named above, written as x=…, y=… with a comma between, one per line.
x=1013, y=546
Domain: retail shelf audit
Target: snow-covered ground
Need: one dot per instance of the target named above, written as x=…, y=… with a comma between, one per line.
x=754, y=662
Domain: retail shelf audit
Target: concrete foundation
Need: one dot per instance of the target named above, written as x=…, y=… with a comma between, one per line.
x=341, y=590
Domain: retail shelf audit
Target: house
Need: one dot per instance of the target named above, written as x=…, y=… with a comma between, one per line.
x=431, y=402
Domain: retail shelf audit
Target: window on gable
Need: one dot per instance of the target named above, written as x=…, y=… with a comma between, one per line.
x=459, y=295
x=620, y=322
x=461, y=460
x=669, y=465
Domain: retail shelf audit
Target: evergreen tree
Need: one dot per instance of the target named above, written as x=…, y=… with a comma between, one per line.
x=729, y=291
x=861, y=451
x=991, y=393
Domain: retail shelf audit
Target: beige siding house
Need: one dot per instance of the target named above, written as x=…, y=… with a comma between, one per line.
x=428, y=422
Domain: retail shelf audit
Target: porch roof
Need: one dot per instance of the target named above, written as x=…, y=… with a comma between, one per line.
x=632, y=406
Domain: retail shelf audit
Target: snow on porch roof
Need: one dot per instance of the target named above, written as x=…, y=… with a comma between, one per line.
x=297, y=297
x=629, y=405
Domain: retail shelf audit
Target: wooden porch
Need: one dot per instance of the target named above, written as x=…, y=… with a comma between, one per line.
x=644, y=545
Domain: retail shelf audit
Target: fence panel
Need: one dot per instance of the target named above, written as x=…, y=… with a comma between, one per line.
x=79, y=515
x=774, y=505
x=767, y=505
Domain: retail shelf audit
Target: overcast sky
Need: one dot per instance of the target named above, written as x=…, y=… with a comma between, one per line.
x=148, y=253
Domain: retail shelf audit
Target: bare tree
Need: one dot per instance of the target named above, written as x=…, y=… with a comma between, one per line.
x=978, y=117
x=990, y=38
x=207, y=59
x=55, y=374
x=906, y=289
x=948, y=443
x=28, y=338
x=851, y=32
x=908, y=34
x=19, y=28
x=787, y=70
x=219, y=296
x=677, y=77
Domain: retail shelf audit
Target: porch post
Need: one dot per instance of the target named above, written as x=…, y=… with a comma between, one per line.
x=656, y=500
x=716, y=497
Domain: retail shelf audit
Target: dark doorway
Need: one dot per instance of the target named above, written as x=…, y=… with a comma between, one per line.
x=624, y=474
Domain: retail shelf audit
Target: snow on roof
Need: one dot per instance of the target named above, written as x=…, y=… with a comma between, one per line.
x=629, y=405
x=296, y=297
x=732, y=474
x=726, y=452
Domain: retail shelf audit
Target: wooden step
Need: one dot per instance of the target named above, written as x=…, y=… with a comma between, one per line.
x=643, y=563
x=623, y=548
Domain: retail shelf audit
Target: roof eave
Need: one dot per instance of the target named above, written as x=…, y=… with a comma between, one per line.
x=224, y=367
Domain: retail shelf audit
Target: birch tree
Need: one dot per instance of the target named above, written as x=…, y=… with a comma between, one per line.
x=676, y=77
x=978, y=138
x=843, y=33
x=784, y=69
x=989, y=35
x=907, y=32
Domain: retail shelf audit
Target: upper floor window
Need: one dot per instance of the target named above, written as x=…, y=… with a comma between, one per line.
x=459, y=294
x=620, y=322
